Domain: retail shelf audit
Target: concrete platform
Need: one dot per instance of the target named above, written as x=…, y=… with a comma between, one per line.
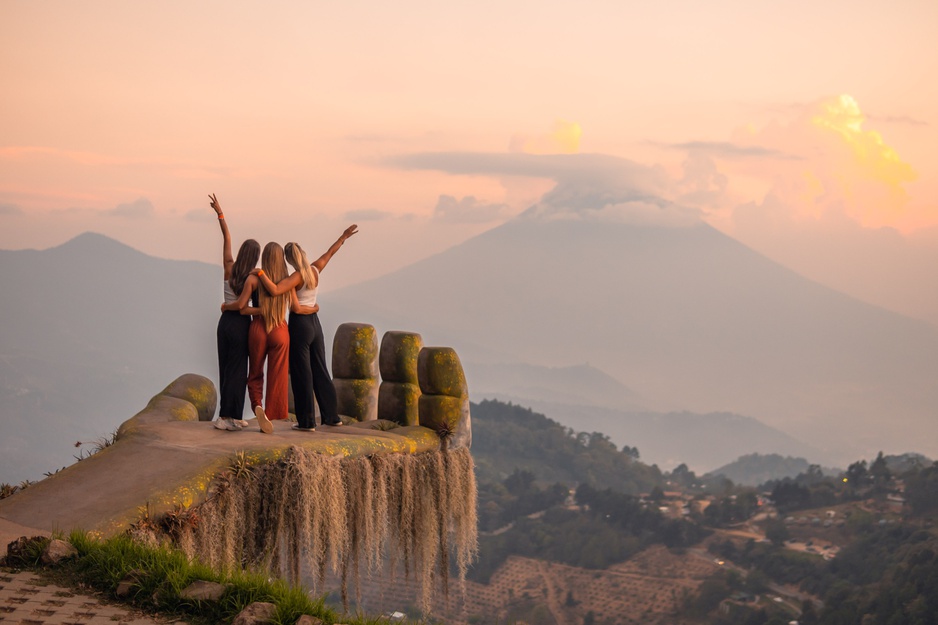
x=165, y=457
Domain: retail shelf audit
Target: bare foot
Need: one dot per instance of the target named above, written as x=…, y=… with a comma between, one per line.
x=262, y=421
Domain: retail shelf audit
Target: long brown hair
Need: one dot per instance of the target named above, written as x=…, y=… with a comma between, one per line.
x=297, y=257
x=246, y=261
x=273, y=307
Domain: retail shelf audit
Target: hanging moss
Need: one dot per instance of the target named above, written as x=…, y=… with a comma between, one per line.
x=322, y=512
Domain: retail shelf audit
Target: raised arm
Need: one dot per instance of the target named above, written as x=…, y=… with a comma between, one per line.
x=242, y=302
x=321, y=262
x=227, y=258
x=290, y=282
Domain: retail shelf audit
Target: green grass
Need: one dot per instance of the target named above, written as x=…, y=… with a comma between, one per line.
x=162, y=573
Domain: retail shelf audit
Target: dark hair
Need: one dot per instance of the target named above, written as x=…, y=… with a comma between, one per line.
x=246, y=261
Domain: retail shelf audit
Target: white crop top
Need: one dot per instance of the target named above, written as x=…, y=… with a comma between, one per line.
x=230, y=296
x=307, y=297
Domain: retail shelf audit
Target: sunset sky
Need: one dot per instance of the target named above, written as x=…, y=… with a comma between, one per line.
x=805, y=129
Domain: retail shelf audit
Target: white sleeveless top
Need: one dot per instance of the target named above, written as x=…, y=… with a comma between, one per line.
x=307, y=297
x=230, y=296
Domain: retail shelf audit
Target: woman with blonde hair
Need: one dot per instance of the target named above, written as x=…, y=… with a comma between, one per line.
x=268, y=337
x=309, y=372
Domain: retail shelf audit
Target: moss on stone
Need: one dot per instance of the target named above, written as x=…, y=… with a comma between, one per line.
x=357, y=399
x=397, y=360
x=198, y=391
x=398, y=402
x=355, y=351
x=440, y=372
x=442, y=414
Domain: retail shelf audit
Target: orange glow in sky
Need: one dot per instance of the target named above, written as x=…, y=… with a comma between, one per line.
x=117, y=115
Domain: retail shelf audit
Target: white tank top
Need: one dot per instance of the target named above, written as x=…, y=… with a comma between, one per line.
x=230, y=296
x=307, y=297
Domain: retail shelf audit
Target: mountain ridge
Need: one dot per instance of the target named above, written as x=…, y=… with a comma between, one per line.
x=569, y=298
x=687, y=318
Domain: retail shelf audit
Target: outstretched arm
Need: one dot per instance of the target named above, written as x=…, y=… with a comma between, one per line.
x=249, y=285
x=323, y=260
x=290, y=282
x=227, y=258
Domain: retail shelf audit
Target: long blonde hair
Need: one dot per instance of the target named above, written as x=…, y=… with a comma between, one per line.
x=273, y=307
x=297, y=257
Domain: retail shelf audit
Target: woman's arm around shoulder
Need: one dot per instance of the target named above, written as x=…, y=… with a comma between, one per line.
x=290, y=282
x=298, y=309
x=250, y=284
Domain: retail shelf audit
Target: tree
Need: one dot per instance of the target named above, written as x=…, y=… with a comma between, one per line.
x=776, y=531
x=519, y=482
x=879, y=473
x=808, y=613
x=921, y=488
x=683, y=475
x=857, y=475
x=789, y=495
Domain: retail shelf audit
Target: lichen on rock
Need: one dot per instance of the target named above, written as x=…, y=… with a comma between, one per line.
x=444, y=401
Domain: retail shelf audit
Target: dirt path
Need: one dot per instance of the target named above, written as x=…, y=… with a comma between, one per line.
x=553, y=604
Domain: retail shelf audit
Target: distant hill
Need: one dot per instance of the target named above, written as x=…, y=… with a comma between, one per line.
x=510, y=437
x=756, y=469
x=685, y=317
x=582, y=385
x=703, y=441
x=699, y=350
x=900, y=463
x=92, y=330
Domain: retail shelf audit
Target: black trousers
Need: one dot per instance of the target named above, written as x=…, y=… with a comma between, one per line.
x=309, y=373
x=232, y=338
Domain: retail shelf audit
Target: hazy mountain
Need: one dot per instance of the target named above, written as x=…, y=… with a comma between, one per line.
x=512, y=437
x=756, y=469
x=578, y=384
x=92, y=330
x=669, y=320
x=687, y=318
x=702, y=441
x=900, y=463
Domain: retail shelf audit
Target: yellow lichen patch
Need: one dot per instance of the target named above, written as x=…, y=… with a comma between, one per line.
x=397, y=402
x=440, y=372
x=442, y=414
x=197, y=390
x=357, y=398
x=189, y=492
x=398, y=356
x=355, y=351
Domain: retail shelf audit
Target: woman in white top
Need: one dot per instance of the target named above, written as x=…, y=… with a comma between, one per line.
x=309, y=372
x=232, y=332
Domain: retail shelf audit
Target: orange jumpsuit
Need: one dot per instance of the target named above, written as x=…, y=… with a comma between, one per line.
x=275, y=347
